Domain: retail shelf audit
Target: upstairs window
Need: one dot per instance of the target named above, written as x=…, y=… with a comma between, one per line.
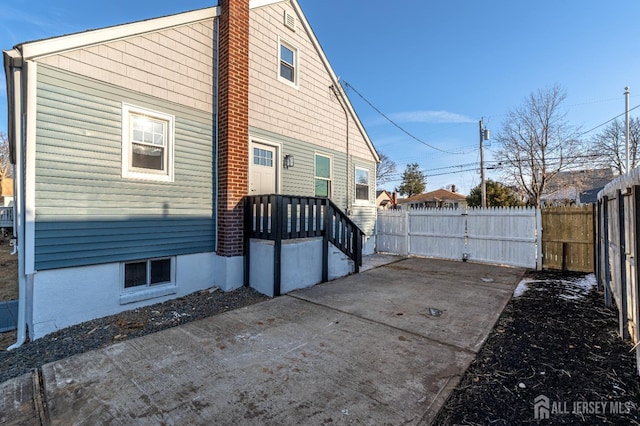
x=147, y=144
x=362, y=184
x=288, y=62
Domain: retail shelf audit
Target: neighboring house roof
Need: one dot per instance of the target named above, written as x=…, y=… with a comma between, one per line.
x=54, y=45
x=383, y=192
x=437, y=195
x=6, y=186
x=383, y=198
x=580, y=185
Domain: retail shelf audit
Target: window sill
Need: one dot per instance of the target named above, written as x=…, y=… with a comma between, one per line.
x=147, y=293
x=147, y=176
x=289, y=82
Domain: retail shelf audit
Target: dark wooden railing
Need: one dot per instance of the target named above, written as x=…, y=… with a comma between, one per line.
x=282, y=217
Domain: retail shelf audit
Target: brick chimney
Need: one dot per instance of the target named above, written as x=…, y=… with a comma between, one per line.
x=233, y=123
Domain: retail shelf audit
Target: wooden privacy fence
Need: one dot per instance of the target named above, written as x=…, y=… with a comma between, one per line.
x=618, y=245
x=505, y=236
x=568, y=238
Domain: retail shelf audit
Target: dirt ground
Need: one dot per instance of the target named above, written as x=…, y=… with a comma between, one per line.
x=8, y=272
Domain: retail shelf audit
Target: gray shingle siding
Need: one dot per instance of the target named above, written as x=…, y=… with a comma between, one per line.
x=86, y=213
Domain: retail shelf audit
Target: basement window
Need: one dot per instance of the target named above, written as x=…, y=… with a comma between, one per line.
x=146, y=279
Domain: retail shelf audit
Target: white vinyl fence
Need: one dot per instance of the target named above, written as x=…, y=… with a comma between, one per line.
x=504, y=236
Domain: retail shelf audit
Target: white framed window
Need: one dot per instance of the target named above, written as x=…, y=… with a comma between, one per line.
x=147, y=144
x=322, y=176
x=287, y=63
x=362, y=184
x=147, y=278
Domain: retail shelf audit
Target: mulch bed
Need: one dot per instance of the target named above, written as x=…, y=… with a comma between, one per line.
x=557, y=341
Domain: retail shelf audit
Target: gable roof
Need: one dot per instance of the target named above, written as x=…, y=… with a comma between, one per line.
x=437, y=195
x=55, y=45
x=576, y=184
x=334, y=78
x=58, y=44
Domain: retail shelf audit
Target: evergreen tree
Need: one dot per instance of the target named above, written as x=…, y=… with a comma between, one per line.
x=413, y=181
x=498, y=195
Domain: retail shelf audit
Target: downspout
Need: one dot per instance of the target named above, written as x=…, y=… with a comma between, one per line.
x=14, y=232
x=338, y=92
x=13, y=68
x=8, y=66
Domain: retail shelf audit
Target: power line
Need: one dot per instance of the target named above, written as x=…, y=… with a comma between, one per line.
x=607, y=122
x=397, y=125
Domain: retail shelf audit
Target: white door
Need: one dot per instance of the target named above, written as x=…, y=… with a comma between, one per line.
x=263, y=169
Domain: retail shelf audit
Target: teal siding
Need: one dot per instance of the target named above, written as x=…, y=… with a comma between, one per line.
x=86, y=213
x=299, y=180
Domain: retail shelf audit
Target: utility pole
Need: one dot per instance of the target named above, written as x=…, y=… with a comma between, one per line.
x=626, y=127
x=484, y=136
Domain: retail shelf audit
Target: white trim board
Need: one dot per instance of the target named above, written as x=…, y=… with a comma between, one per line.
x=51, y=46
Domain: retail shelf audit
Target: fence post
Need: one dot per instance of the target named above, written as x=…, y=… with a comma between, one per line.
x=539, y=239
x=636, y=277
x=276, y=227
x=597, y=244
x=248, y=207
x=407, y=224
x=607, y=254
x=325, y=241
x=594, y=228
x=622, y=258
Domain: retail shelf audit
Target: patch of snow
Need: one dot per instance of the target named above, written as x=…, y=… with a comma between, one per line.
x=521, y=288
x=578, y=288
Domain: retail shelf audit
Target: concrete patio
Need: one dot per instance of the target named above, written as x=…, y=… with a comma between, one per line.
x=385, y=346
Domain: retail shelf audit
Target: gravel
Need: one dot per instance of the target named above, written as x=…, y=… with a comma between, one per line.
x=138, y=322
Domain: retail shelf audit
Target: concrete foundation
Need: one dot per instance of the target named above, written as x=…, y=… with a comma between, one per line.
x=301, y=264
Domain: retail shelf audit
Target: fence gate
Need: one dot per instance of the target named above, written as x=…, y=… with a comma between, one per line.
x=568, y=238
x=504, y=236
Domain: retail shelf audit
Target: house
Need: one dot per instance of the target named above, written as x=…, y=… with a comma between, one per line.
x=6, y=191
x=386, y=200
x=440, y=199
x=137, y=145
x=576, y=186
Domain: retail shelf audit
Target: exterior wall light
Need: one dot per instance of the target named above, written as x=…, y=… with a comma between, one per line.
x=288, y=161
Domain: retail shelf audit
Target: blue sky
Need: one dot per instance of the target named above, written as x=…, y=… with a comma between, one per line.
x=434, y=67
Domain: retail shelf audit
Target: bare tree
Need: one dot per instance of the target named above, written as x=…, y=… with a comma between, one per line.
x=385, y=170
x=5, y=163
x=537, y=142
x=608, y=145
